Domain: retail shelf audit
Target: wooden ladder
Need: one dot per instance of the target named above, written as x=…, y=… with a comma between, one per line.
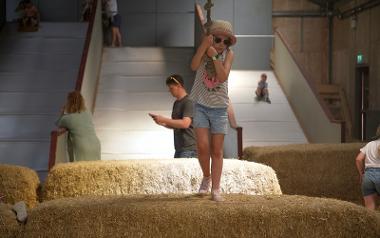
x=335, y=98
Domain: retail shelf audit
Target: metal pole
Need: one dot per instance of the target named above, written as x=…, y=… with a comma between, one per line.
x=330, y=19
x=330, y=49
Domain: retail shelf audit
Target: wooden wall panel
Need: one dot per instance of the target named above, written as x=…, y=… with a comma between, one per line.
x=309, y=36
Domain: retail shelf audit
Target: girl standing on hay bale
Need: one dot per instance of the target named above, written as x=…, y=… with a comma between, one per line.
x=78, y=121
x=370, y=176
x=210, y=94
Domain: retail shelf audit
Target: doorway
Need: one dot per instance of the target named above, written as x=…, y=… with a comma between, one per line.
x=361, y=100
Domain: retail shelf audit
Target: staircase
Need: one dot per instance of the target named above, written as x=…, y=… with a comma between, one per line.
x=335, y=99
x=37, y=69
x=132, y=85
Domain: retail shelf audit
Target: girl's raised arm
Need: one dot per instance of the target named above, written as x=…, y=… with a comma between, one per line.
x=197, y=58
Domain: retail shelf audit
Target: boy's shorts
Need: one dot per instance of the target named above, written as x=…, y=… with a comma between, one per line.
x=371, y=182
x=214, y=118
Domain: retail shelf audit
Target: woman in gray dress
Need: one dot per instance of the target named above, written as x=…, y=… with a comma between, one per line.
x=78, y=121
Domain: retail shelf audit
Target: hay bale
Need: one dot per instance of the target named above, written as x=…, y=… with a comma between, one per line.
x=9, y=227
x=19, y=184
x=178, y=176
x=318, y=170
x=180, y=216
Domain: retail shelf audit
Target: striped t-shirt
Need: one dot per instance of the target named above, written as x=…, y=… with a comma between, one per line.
x=207, y=91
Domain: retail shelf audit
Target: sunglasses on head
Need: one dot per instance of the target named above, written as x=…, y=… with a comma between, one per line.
x=226, y=42
x=175, y=80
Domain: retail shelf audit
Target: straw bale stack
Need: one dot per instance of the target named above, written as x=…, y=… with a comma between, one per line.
x=19, y=184
x=318, y=170
x=168, y=176
x=9, y=227
x=190, y=216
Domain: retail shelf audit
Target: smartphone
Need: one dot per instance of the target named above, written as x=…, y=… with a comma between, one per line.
x=152, y=115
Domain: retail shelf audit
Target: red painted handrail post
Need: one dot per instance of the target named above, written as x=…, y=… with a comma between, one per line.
x=53, y=148
x=240, y=141
x=82, y=67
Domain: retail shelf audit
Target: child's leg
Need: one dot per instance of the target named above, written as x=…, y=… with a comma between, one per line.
x=118, y=37
x=266, y=95
x=370, y=201
x=204, y=159
x=258, y=92
x=114, y=33
x=217, y=141
x=203, y=150
x=219, y=127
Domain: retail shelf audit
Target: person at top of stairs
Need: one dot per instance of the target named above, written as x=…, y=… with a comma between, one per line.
x=30, y=18
x=115, y=20
x=210, y=94
x=181, y=121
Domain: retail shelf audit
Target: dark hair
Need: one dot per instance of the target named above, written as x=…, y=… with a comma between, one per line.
x=174, y=79
x=264, y=75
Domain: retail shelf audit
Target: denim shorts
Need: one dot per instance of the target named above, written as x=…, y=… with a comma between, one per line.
x=371, y=181
x=214, y=118
x=116, y=21
x=186, y=154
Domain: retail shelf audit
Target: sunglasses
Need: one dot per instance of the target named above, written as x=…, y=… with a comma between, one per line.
x=226, y=42
x=175, y=80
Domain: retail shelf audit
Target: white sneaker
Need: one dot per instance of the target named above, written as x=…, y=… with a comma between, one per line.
x=20, y=209
x=205, y=186
x=216, y=196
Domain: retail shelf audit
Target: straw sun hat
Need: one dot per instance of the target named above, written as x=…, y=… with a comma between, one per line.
x=220, y=27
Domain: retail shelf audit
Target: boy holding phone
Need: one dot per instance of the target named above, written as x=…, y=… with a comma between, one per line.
x=181, y=120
